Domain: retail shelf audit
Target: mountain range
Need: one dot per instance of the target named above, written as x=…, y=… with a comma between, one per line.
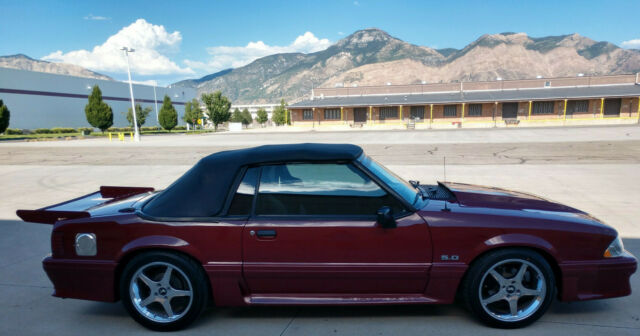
x=24, y=62
x=373, y=57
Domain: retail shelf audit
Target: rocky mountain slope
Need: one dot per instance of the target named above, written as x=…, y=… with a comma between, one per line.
x=373, y=57
x=24, y=62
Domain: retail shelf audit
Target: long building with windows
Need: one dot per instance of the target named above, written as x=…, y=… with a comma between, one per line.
x=608, y=99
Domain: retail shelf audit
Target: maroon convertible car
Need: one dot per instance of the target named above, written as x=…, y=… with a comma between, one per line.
x=318, y=224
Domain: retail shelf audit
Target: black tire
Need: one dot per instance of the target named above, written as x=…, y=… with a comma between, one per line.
x=185, y=272
x=504, y=261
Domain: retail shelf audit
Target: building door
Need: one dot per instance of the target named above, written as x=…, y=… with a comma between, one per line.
x=612, y=106
x=360, y=114
x=509, y=110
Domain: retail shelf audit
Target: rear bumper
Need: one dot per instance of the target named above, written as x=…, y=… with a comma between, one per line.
x=82, y=279
x=588, y=280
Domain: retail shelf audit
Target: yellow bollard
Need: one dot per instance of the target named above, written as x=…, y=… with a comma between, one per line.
x=131, y=136
x=109, y=136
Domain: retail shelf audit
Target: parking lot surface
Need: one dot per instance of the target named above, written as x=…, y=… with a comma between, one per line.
x=593, y=168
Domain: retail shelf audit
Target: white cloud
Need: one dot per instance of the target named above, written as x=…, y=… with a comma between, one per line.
x=151, y=43
x=224, y=57
x=631, y=44
x=96, y=17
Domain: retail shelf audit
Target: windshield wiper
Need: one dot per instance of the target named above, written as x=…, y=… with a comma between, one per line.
x=416, y=184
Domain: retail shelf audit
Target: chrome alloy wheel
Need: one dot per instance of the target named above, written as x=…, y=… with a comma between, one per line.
x=161, y=292
x=512, y=290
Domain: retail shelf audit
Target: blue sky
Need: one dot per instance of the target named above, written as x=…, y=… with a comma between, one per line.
x=183, y=39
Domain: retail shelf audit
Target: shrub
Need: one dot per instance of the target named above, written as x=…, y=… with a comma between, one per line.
x=180, y=128
x=150, y=128
x=85, y=130
x=119, y=129
x=42, y=131
x=13, y=131
x=61, y=130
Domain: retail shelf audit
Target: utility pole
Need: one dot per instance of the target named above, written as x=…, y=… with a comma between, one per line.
x=155, y=101
x=136, y=135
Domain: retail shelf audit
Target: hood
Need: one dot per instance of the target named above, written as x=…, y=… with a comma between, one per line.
x=490, y=197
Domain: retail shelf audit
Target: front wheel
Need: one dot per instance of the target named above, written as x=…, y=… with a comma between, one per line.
x=163, y=291
x=510, y=288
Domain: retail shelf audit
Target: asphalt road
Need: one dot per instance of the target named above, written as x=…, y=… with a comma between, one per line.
x=594, y=169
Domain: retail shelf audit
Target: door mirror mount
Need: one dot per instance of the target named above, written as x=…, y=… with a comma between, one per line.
x=385, y=218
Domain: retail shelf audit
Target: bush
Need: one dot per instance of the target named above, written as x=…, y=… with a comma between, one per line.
x=42, y=131
x=61, y=130
x=150, y=128
x=13, y=131
x=180, y=128
x=119, y=129
x=85, y=130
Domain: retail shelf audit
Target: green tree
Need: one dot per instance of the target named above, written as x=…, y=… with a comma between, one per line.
x=4, y=117
x=168, y=117
x=236, y=116
x=262, y=116
x=99, y=113
x=141, y=115
x=192, y=112
x=247, y=119
x=280, y=114
x=217, y=107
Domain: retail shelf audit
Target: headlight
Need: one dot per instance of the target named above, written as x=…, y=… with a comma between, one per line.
x=615, y=249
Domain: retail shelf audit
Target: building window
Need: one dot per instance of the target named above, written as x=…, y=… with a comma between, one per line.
x=417, y=112
x=307, y=114
x=542, y=107
x=547, y=84
x=475, y=110
x=332, y=114
x=389, y=112
x=578, y=106
x=451, y=110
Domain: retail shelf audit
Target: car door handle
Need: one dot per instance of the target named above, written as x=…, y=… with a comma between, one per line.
x=266, y=233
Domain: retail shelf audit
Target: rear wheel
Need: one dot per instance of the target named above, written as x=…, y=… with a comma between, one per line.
x=510, y=288
x=163, y=291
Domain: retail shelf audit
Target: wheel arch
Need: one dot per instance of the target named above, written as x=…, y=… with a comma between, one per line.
x=129, y=254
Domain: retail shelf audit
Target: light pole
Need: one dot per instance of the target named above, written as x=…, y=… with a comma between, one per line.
x=136, y=135
x=155, y=101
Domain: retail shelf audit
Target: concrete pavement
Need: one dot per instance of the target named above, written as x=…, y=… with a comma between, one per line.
x=599, y=176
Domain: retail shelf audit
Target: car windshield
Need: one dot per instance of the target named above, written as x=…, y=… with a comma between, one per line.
x=402, y=187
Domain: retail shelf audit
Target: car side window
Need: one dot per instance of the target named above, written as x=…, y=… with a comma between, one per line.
x=319, y=189
x=242, y=201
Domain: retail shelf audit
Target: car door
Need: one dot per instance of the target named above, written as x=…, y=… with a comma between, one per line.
x=313, y=231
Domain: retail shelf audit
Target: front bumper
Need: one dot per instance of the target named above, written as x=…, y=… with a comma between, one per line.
x=82, y=279
x=589, y=280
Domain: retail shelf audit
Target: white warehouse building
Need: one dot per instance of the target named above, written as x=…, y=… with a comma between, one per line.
x=44, y=100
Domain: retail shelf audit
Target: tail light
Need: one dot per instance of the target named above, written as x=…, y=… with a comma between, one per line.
x=57, y=244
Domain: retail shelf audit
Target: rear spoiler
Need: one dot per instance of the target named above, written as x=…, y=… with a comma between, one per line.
x=77, y=207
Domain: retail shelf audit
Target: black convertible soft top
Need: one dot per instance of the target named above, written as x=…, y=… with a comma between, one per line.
x=202, y=191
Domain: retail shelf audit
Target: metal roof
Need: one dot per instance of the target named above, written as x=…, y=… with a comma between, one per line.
x=606, y=91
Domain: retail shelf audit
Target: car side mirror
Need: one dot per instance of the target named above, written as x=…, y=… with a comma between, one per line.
x=385, y=218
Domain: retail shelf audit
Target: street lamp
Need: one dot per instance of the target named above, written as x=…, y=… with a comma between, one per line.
x=136, y=135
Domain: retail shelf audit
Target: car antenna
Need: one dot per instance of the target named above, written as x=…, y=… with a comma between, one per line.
x=444, y=167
